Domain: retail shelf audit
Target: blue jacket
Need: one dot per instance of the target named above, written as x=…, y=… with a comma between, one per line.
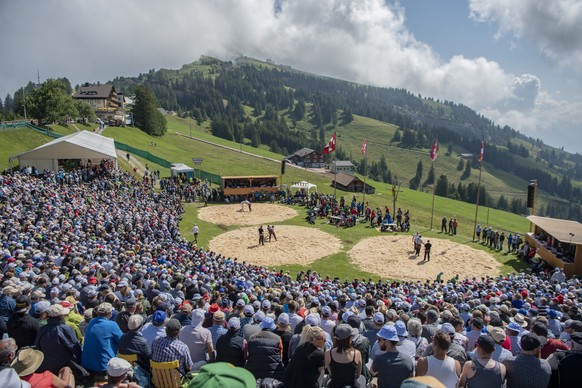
x=101, y=339
x=7, y=307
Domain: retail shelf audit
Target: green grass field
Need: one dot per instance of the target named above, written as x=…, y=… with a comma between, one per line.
x=223, y=161
x=232, y=162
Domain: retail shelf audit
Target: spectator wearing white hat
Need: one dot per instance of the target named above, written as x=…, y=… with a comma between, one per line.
x=118, y=370
x=133, y=342
x=7, y=303
x=57, y=341
x=283, y=330
x=327, y=324
x=199, y=340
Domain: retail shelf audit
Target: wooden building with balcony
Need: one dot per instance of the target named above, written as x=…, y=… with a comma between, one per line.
x=558, y=242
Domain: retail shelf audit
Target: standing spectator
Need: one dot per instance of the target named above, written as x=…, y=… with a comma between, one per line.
x=305, y=368
x=483, y=371
x=21, y=325
x=231, y=347
x=527, y=369
x=199, y=341
x=101, y=340
x=170, y=348
x=444, y=368
x=444, y=225
x=195, y=230
x=57, y=341
x=392, y=367
x=343, y=362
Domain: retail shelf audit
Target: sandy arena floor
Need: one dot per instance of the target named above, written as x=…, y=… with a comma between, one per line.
x=393, y=257
x=389, y=256
x=262, y=213
x=294, y=245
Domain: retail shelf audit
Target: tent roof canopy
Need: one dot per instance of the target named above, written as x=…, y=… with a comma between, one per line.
x=303, y=185
x=79, y=145
x=181, y=167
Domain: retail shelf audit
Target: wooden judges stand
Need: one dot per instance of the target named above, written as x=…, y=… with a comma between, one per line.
x=567, y=233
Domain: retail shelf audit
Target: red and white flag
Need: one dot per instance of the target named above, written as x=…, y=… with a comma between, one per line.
x=364, y=147
x=482, y=150
x=433, y=151
x=330, y=147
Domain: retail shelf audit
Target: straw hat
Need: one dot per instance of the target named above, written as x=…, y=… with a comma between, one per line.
x=27, y=361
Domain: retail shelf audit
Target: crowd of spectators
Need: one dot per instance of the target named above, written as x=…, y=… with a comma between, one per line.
x=94, y=269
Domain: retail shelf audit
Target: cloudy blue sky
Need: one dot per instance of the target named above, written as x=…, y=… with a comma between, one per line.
x=518, y=62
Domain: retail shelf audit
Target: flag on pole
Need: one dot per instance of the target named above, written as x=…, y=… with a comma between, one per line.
x=330, y=147
x=364, y=147
x=433, y=151
x=482, y=149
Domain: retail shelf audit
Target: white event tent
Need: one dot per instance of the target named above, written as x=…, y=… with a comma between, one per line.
x=303, y=185
x=79, y=147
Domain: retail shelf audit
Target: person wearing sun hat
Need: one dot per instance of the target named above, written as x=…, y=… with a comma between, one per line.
x=28, y=361
x=57, y=341
x=392, y=367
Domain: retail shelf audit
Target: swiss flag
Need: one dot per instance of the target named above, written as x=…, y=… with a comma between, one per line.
x=433, y=151
x=364, y=147
x=330, y=147
x=482, y=150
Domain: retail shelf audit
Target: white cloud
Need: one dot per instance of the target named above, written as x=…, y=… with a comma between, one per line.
x=365, y=41
x=555, y=26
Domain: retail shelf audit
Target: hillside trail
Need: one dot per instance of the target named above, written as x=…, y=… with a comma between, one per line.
x=289, y=165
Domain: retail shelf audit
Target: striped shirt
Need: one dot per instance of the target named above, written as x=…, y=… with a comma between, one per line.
x=166, y=349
